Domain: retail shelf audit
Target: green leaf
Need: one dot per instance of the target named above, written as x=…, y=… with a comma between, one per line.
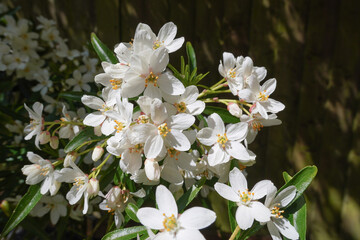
x=223, y=113
x=125, y=234
x=191, y=56
x=108, y=175
x=131, y=210
x=185, y=199
x=286, y=177
x=102, y=50
x=301, y=180
x=32, y=226
x=26, y=204
x=232, y=206
x=81, y=138
x=74, y=96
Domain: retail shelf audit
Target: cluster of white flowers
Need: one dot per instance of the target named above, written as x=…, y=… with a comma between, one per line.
x=146, y=119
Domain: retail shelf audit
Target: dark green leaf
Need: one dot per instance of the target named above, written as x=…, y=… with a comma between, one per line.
x=131, y=210
x=32, y=227
x=102, y=50
x=108, y=175
x=223, y=113
x=125, y=234
x=191, y=56
x=185, y=199
x=26, y=204
x=74, y=96
x=286, y=177
x=79, y=139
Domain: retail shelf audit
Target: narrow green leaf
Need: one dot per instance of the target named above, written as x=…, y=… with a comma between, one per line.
x=108, y=175
x=191, y=56
x=74, y=96
x=131, y=210
x=301, y=180
x=286, y=177
x=182, y=65
x=200, y=77
x=223, y=113
x=193, y=74
x=102, y=50
x=125, y=233
x=185, y=199
x=79, y=139
x=26, y=204
x=231, y=211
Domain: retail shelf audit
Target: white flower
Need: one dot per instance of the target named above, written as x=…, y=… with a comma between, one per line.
x=249, y=208
x=41, y=170
x=121, y=117
x=256, y=122
x=36, y=124
x=259, y=96
x=43, y=77
x=81, y=186
x=70, y=130
x=80, y=82
x=57, y=206
x=116, y=201
x=146, y=74
x=225, y=142
x=186, y=102
x=175, y=226
x=165, y=37
x=277, y=223
x=230, y=71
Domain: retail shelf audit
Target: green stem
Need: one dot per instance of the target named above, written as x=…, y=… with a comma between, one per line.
x=235, y=233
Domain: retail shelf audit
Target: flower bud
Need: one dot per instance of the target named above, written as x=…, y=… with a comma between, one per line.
x=234, y=109
x=71, y=156
x=44, y=137
x=97, y=153
x=93, y=187
x=54, y=142
x=152, y=169
x=5, y=207
x=97, y=131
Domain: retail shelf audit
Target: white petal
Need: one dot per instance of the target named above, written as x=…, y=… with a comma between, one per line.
x=151, y=217
x=94, y=119
x=153, y=146
x=170, y=84
x=195, y=108
x=92, y=102
x=236, y=131
x=237, y=180
x=159, y=60
x=171, y=174
x=190, y=95
x=215, y=122
x=237, y=150
x=177, y=140
x=166, y=201
x=207, y=136
x=269, y=86
x=180, y=121
x=260, y=212
x=226, y=192
x=167, y=33
x=175, y=44
x=286, y=228
x=261, y=189
x=244, y=217
x=274, y=232
x=217, y=155
x=285, y=196
x=158, y=111
x=188, y=234
x=153, y=92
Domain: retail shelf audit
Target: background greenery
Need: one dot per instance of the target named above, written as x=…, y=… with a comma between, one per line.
x=312, y=48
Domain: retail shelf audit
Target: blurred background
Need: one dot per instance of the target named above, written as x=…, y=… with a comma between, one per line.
x=312, y=48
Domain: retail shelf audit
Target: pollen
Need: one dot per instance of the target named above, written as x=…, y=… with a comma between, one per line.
x=246, y=196
x=181, y=107
x=277, y=212
x=170, y=223
x=119, y=126
x=138, y=148
x=157, y=44
x=232, y=73
x=173, y=153
x=115, y=83
x=262, y=96
x=44, y=171
x=163, y=129
x=257, y=126
x=222, y=139
x=79, y=182
x=143, y=119
x=151, y=79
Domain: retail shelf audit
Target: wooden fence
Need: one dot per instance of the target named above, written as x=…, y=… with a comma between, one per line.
x=311, y=47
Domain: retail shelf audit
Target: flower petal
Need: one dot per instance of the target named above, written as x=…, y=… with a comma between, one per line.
x=150, y=217
x=274, y=232
x=286, y=228
x=153, y=146
x=260, y=212
x=237, y=180
x=285, y=196
x=189, y=234
x=166, y=201
x=244, y=217
x=261, y=189
x=226, y=192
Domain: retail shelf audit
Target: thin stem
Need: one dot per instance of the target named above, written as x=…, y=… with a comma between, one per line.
x=235, y=233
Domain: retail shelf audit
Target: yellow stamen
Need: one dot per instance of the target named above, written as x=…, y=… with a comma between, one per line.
x=163, y=129
x=222, y=139
x=151, y=79
x=181, y=107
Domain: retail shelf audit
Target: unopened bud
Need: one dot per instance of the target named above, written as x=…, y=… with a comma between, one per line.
x=44, y=137
x=97, y=153
x=93, y=187
x=5, y=207
x=54, y=142
x=97, y=131
x=71, y=156
x=152, y=169
x=234, y=109
x=62, y=67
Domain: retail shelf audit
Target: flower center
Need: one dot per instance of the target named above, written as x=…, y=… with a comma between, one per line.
x=257, y=126
x=232, y=73
x=44, y=170
x=170, y=223
x=276, y=212
x=222, y=139
x=137, y=148
x=246, y=197
x=163, y=129
x=157, y=44
x=79, y=182
x=173, y=153
x=143, y=119
x=151, y=79
x=104, y=109
x=119, y=126
x=115, y=83
x=181, y=107
x=262, y=96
